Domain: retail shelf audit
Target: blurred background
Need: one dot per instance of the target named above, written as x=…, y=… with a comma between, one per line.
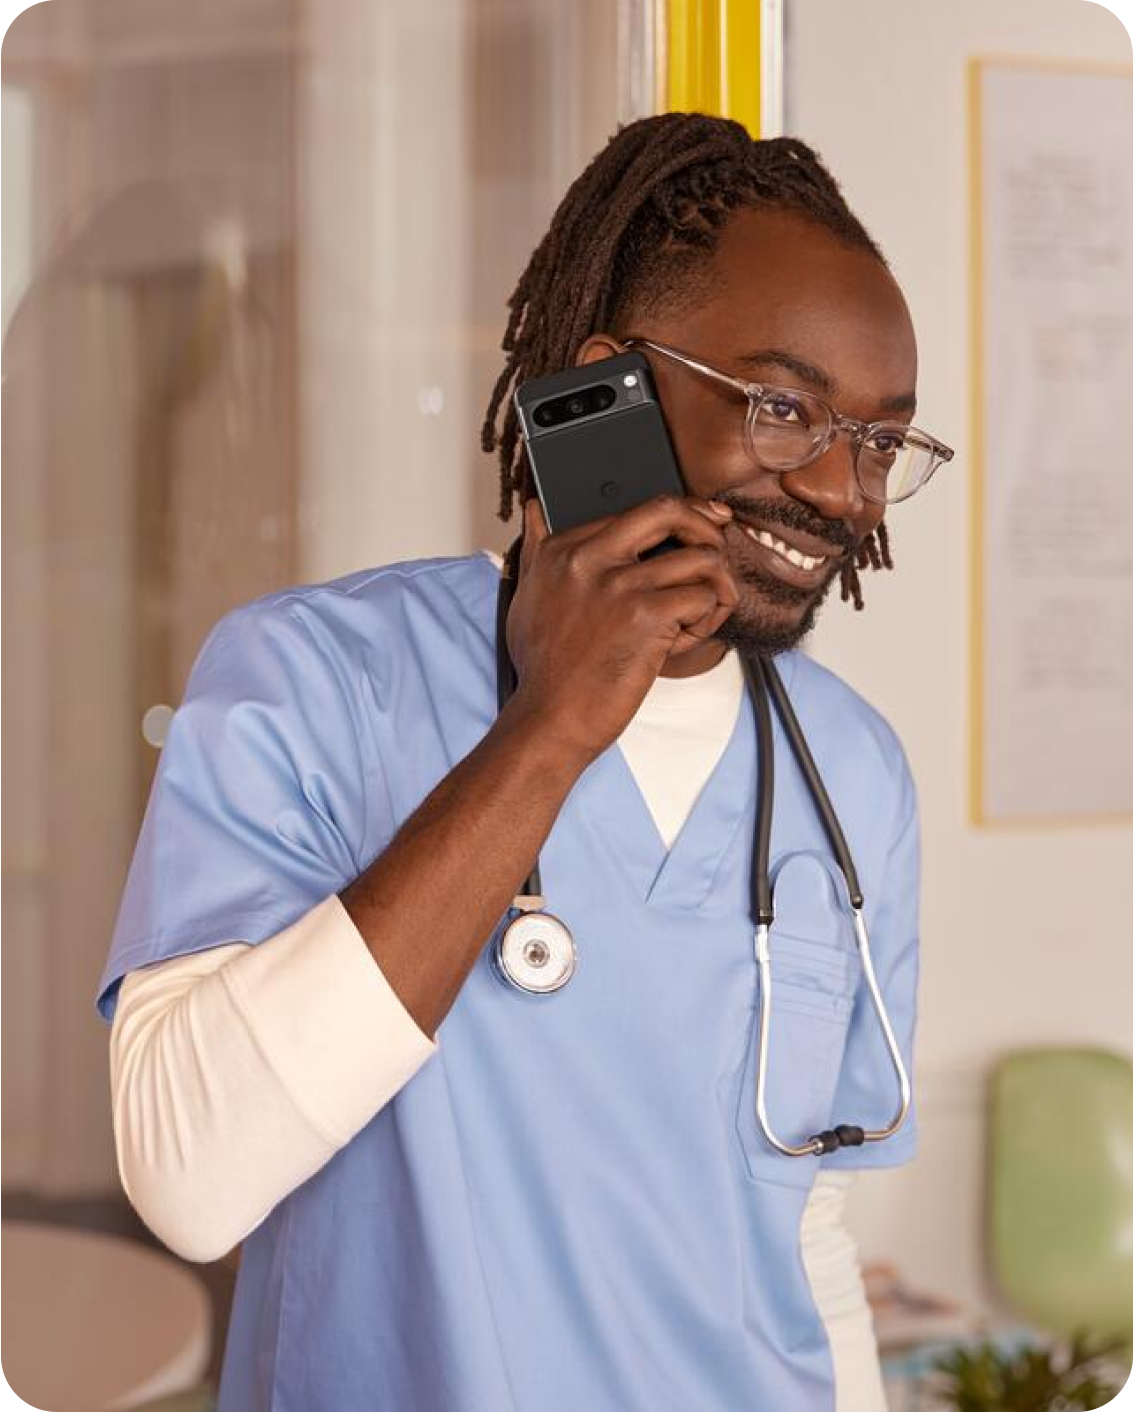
x=256, y=255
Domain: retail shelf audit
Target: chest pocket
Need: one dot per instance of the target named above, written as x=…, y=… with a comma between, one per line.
x=815, y=975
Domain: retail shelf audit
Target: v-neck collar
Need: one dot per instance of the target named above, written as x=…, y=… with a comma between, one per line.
x=680, y=878
x=681, y=875
x=607, y=797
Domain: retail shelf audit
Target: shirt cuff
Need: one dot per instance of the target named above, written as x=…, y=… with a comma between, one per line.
x=327, y=1020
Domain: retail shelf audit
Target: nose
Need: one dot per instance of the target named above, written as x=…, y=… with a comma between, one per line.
x=829, y=483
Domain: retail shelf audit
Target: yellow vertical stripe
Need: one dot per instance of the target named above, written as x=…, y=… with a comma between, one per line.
x=711, y=58
x=743, y=52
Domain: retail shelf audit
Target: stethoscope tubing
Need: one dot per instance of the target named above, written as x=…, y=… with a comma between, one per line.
x=765, y=687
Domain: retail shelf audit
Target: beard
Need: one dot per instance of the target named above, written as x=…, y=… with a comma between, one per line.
x=773, y=616
x=756, y=628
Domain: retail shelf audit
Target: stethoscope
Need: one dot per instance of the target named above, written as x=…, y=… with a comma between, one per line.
x=536, y=954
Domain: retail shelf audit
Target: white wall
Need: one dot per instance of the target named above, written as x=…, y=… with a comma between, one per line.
x=1026, y=934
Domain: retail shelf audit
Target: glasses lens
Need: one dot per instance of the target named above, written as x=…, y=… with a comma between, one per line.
x=784, y=428
x=894, y=462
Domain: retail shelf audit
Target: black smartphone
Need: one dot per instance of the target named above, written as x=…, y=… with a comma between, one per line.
x=597, y=442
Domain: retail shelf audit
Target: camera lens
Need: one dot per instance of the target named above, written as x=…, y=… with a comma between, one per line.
x=604, y=397
x=545, y=415
x=576, y=406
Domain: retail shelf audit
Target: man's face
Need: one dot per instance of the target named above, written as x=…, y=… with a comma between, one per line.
x=781, y=283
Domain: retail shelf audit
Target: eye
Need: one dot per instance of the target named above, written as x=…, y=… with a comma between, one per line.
x=781, y=408
x=892, y=438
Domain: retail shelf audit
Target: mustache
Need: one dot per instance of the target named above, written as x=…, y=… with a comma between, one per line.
x=791, y=515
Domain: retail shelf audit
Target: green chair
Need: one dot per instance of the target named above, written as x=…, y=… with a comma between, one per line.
x=1061, y=1188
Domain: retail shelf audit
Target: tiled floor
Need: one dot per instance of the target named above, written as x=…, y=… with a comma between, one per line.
x=117, y=1217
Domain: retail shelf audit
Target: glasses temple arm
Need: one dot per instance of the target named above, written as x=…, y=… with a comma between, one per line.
x=747, y=388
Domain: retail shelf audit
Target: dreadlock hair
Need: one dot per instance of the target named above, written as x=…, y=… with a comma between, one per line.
x=638, y=228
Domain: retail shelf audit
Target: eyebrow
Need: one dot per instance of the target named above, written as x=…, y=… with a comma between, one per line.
x=779, y=357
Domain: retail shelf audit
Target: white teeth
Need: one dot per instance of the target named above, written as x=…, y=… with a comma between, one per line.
x=793, y=556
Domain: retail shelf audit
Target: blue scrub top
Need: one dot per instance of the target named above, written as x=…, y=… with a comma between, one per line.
x=570, y=1205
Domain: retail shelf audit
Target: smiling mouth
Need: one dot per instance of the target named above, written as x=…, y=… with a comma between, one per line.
x=785, y=553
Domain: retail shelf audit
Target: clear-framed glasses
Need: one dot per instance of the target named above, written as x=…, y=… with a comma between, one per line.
x=786, y=429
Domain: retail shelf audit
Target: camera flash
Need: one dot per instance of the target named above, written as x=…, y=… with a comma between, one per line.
x=630, y=380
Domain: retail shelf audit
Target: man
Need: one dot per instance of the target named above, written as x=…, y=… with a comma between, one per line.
x=561, y=1201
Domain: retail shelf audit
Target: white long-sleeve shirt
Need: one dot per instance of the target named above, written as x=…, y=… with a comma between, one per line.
x=238, y=1071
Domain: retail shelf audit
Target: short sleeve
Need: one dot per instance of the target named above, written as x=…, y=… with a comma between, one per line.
x=868, y=1094
x=256, y=809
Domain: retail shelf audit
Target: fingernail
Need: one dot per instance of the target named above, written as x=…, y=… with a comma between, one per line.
x=717, y=508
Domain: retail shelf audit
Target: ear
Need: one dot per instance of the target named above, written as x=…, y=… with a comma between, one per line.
x=598, y=345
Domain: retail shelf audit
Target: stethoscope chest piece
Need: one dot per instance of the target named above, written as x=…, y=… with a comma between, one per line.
x=535, y=952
